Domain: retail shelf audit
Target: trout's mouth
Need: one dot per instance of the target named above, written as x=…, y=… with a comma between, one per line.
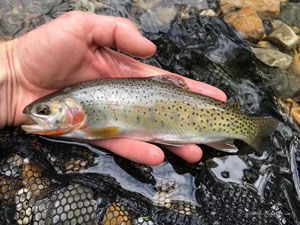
x=38, y=129
x=41, y=127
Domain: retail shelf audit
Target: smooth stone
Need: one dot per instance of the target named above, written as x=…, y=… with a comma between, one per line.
x=273, y=57
x=158, y=20
x=295, y=110
x=146, y=4
x=295, y=66
x=290, y=13
x=296, y=30
x=276, y=23
x=284, y=35
x=247, y=22
x=166, y=14
x=265, y=44
x=208, y=12
x=266, y=9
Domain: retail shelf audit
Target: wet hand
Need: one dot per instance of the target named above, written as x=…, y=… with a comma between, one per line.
x=75, y=48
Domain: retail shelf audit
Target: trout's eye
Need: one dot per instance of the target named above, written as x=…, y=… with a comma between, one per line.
x=43, y=110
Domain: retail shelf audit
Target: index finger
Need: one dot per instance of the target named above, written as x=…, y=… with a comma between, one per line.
x=119, y=32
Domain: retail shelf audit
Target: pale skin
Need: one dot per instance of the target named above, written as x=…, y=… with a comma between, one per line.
x=75, y=48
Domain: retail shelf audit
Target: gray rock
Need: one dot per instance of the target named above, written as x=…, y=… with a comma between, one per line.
x=284, y=35
x=290, y=13
x=273, y=57
x=158, y=19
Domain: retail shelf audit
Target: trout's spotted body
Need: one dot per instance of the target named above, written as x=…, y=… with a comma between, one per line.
x=150, y=109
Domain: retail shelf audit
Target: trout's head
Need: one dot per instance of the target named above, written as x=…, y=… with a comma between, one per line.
x=54, y=116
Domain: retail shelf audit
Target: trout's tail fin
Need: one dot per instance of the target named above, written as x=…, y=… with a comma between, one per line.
x=263, y=128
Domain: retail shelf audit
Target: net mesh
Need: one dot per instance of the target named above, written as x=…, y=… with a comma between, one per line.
x=41, y=183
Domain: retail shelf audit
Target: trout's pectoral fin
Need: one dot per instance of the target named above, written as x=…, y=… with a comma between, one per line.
x=104, y=132
x=225, y=145
x=171, y=79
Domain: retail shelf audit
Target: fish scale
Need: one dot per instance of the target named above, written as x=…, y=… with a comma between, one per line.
x=156, y=109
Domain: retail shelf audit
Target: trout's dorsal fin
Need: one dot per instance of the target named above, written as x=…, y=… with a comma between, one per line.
x=171, y=79
x=104, y=132
x=225, y=145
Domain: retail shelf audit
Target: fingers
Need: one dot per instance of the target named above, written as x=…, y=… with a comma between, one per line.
x=142, y=152
x=121, y=33
x=189, y=152
x=205, y=89
x=137, y=151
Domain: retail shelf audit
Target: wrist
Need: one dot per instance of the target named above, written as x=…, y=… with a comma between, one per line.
x=8, y=83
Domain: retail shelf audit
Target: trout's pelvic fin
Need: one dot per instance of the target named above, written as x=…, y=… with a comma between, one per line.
x=171, y=79
x=225, y=145
x=104, y=132
x=168, y=143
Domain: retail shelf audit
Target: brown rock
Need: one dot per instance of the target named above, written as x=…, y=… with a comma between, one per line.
x=247, y=22
x=295, y=110
x=296, y=30
x=266, y=44
x=266, y=9
x=295, y=66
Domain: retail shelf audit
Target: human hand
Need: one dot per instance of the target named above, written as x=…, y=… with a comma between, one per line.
x=72, y=49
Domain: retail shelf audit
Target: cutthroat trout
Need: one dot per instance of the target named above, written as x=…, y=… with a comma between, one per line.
x=156, y=109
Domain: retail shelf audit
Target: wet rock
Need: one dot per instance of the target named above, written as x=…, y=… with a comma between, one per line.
x=290, y=13
x=151, y=4
x=284, y=35
x=19, y=17
x=247, y=22
x=295, y=66
x=295, y=110
x=276, y=24
x=165, y=14
x=146, y=4
x=208, y=12
x=273, y=57
x=265, y=44
x=158, y=19
x=296, y=30
x=266, y=9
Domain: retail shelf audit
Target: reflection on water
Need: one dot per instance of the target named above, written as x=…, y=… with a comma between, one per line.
x=230, y=168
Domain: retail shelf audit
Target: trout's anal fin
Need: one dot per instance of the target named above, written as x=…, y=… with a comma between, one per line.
x=171, y=79
x=104, y=132
x=225, y=145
